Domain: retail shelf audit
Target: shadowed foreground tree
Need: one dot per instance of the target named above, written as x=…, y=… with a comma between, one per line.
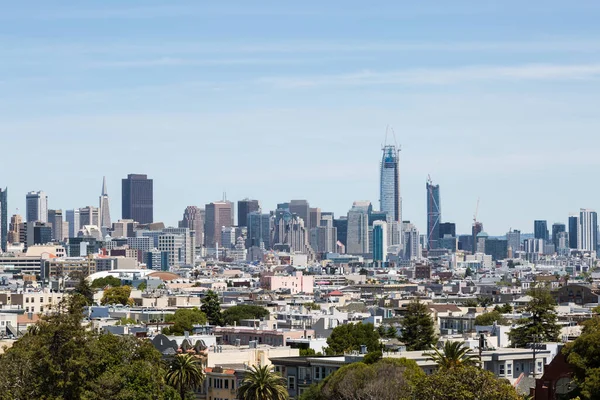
x=452, y=355
x=60, y=359
x=185, y=373
x=465, y=383
x=260, y=383
x=387, y=379
x=584, y=355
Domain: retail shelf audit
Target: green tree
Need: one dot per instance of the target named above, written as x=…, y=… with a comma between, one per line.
x=312, y=306
x=386, y=379
x=61, y=359
x=142, y=286
x=417, y=327
x=584, y=355
x=211, y=306
x=391, y=332
x=117, y=295
x=244, y=311
x=349, y=337
x=465, y=383
x=107, y=281
x=84, y=289
x=541, y=326
x=452, y=355
x=485, y=301
x=184, y=320
x=468, y=272
x=307, y=352
x=489, y=318
x=185, y=373
x=470, y=303
x=504, y=309
x=261, y=383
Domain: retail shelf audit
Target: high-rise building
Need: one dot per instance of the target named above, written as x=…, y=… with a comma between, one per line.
x=3, y=219
x=341, y=226
x=259, y=230
x=89, y=216
x=476, y=229
x=412, y=245
x=497, y=248
x=38, y=233
x=246, y=207
x=513, y=239
x=557, y=228
x=105, y=222
x=588, y=225
x=218, y=214
x=390, y=200
x=55, y=219
x=193, y=219
x=138, y=198
x=14, y=234
x=302, y=209
x=74, y=220
x=540, y=230
x=380, y=241
x=124, y=228
x=358, y=228
x=36, y=207
x=323, y=237
x=290, y=234
x=465, y=243
x=314, y=217
x=447, y=228
x=187, y=254
x=434, y=214
x=574, y=231
x=228, y=238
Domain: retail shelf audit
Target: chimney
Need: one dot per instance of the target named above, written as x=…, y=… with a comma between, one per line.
x=363, y=349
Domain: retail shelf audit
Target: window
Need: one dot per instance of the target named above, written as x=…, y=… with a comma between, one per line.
x=319, y=373
x=501, y=372
x=539, y=366
x=509, y=369
x=291, y=382
x=226, y=383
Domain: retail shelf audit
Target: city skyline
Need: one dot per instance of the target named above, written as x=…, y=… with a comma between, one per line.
x=479, y=97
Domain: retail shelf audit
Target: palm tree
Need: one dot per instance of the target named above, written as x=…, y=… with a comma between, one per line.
x=260, y=383
x=185, y=373
x=452, y=355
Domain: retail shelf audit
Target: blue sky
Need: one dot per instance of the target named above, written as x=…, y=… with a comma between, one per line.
x=279, y=100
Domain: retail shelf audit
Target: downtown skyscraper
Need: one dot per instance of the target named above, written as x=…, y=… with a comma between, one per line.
x=3, y=219
x=138, y=198
x=434, y=214
x=36, y=207
x=105, y=222
x=390, y=200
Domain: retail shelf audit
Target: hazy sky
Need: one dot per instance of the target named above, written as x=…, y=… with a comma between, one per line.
x=278, y=100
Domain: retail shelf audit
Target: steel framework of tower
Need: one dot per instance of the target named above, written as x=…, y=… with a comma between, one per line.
x=434, y=214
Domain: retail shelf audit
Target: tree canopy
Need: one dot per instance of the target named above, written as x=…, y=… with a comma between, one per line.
x=260, y=383
x=61, y=359
x=211, y=306
x=183, y=320
x=541, y=326
x=244, y=311
x=418, y=332
x=465, y=383
x=452, y=355
x=100, y=283
x=489, y=318
x=349, y=337
x=84, y=289
x=584, y=355
x=117, y=295
x=393, y=379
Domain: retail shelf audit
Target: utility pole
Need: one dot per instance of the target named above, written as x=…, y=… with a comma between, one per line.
x=535, y=338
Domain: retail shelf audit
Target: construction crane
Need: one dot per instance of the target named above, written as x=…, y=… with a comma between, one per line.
x=476, y=211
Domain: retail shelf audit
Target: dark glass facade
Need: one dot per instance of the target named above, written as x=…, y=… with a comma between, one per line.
x=540, y=230
x=138, y=199
x=245, y=207
x=434, y=215
x=3, y=218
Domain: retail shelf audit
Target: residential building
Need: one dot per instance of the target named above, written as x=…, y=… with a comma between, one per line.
x=295, y=283
x=218, y=215
x=36, y=207
x=138, y=198
x=245, y=207
x=390, y=200
x=105, y=222
x=358, y=228
x=434, y=214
